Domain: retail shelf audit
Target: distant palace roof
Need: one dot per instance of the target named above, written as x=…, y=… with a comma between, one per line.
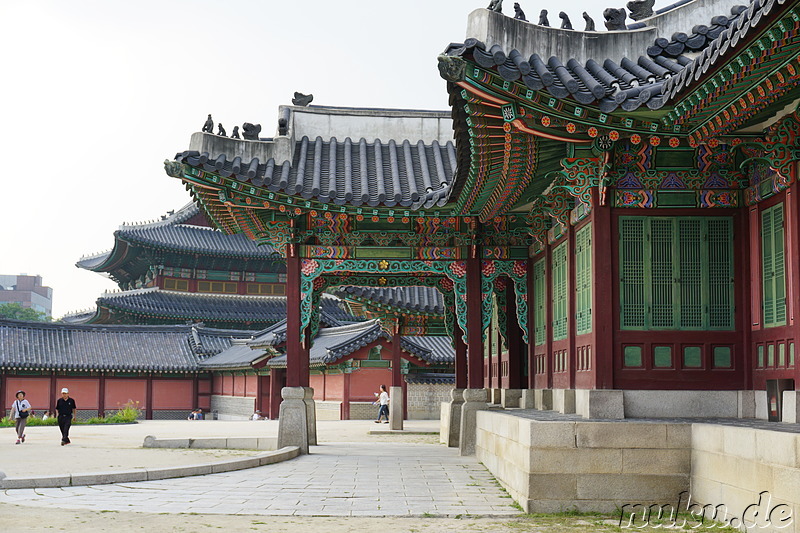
x=212, y=308
x=331, y=345
x=415, y=299
x=54, y=346
x=186, y=231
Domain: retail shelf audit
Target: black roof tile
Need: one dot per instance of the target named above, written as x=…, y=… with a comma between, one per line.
x=356, y=172
x=54, y=346
x=419, y=299
x=211, y=307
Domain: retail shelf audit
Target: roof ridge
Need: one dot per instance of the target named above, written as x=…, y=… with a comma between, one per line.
x=348, y=328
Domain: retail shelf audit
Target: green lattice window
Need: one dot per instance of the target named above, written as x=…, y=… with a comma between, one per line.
x=539, y=303
x=676, y=273
x=773, y=281
x=559, y=260
x=583, y=280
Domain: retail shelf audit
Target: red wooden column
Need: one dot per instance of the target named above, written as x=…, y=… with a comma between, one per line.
x=548, y=314
x=101, y=396
x=276, y=379
x=531, y=352
x=474, y=320
x=744, y=353
x=603, y=259
x=297, y=371
x=461, y=357
x=515, y=345
x=571, y=305
x=148, y=412
x=345, y=413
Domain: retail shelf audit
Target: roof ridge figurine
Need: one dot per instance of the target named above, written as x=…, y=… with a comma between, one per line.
x=208, y=127
x=301, y=99
x=221, y=131
x=565, y=22
x=589, y=22
x=543, y=18
x=250, y=132
x=235, y=134
x=496, y=6
x=519, y=14
x=615, y=18
x=641, y=9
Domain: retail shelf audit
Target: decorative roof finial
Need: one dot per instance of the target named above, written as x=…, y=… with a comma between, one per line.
x=208, y=127
x=641, y=9
x=496, y=6
x=251, y=131
x=543, y=18
x=615, y=19
x=519, y=14
x=301, y=99
x=589, y=22
x=565, y=23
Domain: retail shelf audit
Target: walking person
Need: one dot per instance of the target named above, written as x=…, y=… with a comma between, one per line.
x=20, y=410
x=65, y=407
x=383, y=401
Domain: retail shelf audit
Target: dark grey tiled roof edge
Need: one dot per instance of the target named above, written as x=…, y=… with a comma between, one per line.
x=420, y=299
x=406, y=174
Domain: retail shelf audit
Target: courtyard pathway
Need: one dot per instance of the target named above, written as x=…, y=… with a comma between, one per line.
x=342, y=479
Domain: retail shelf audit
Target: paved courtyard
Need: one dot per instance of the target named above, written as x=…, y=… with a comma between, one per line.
x=347, y=479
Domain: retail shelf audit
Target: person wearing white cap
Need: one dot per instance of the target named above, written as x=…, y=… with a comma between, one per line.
x=65, y=407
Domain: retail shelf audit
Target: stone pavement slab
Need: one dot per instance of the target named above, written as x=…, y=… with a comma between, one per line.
x=342, y=479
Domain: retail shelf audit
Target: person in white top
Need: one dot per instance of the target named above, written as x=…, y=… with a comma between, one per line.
x=383, y=401
x=20, y=410
x=257, y=416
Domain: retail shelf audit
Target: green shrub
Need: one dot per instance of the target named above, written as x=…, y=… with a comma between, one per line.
x=126, y=414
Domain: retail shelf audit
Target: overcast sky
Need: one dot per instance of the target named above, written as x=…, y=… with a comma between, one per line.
x=96, y=94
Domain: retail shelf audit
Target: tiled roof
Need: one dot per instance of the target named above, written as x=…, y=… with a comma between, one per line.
x=649, y=80
x=355, y=172
x=239, y=355
x=419, y=299
x=173, y=233
x=212, y=307
x=53, y=346
x=744, y=22
x=430, y=378
x=332, y=344
x=430, y=348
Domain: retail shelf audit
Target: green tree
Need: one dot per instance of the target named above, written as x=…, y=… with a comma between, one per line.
x=15, y=311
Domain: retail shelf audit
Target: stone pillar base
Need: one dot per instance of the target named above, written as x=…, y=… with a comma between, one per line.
x=396, y=408
x=599, y=404
x=311, y=413
x=293, y=420
x=510, y=397
x=543, y=399
x=746, y=404
x=528, y=399
x=495, y=396
x=564, y=401
x=791, y=407
x=450, y=421
x=474, y=401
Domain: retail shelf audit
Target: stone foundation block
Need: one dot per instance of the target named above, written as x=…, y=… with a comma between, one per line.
x=451, y=419
x=599, y=404
x=510, y=397
x=543, y=399
x=620, y=435
x=631, y=487
x=528, y=399
x=564, y=400
x=791, y=407
x=474, y=401
x=746, y=404
x=396, y=408
x=495, y=396
x=293, y=419
x=206, y=443
x=311, y=415
x=549, y=435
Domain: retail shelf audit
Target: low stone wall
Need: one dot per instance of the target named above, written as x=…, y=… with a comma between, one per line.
x=746, y=470
x=425, y=400
x=328, y=410
x=589, y=466
x=232, y=407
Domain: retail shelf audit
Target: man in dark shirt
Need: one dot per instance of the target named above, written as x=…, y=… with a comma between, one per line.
x=65, y=407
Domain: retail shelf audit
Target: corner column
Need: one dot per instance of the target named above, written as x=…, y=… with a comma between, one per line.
x=603, y=295
x=474, y=320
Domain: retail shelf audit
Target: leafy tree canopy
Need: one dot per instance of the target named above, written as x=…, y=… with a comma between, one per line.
x=15, y=311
